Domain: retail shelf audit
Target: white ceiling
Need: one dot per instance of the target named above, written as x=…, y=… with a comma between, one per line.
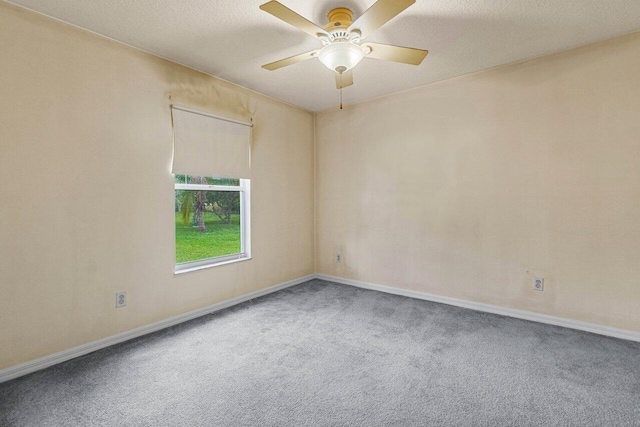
x=231, y=39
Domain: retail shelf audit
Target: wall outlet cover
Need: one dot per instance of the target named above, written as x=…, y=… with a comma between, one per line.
x=121, y=299
x=538, y=284
x=338, y=257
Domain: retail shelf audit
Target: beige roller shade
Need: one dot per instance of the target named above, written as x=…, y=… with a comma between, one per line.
x=206, y=145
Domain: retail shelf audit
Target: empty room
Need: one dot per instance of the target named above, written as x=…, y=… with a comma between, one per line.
x=319, y=213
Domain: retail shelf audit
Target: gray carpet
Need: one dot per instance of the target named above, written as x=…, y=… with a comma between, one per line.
x=327, y=354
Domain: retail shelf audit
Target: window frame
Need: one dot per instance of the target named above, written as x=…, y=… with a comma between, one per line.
x=244, y=188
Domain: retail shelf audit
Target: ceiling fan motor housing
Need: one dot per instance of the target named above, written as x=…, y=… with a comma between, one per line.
x=341, y=53
x=339, y=21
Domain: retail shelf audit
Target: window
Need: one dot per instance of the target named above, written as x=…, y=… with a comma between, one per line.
x=212, y=214
x=212, y=221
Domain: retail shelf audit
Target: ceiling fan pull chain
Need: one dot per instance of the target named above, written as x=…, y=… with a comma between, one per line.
x=340, y=79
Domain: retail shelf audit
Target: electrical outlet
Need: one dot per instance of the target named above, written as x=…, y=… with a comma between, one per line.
x=538, y=284
x=121, y=299
x=338, y=257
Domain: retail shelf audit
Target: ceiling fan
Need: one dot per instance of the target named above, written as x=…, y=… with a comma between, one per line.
x=342, y=38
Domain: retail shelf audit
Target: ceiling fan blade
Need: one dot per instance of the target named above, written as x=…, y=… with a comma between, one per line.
x=406, y=55
x=290, y=17
x=345, y=79
x=379, y=14
x=291, y=60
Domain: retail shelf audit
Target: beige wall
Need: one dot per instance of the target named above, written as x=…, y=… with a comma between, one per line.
x=471, y=187
x=467, y=188
x=87, y=194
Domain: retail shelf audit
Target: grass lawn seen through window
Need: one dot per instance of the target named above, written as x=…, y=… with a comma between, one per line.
x=220, y=238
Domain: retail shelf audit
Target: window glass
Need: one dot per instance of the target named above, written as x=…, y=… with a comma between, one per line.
x=209, y=222
x=188, y=179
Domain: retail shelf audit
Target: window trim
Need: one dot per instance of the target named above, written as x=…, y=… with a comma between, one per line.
x=245, y=228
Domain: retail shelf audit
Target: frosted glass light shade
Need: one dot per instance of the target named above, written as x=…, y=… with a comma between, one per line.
x=341, y=57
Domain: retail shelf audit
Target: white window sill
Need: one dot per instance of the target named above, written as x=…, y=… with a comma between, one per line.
x=187, y=269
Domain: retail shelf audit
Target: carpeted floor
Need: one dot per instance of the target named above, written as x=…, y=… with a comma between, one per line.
x=333, y=355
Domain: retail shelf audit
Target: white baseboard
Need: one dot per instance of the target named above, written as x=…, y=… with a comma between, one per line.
x=53, y=359
x=504, y=311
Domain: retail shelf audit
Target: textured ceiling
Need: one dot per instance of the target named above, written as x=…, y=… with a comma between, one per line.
x=231, y=39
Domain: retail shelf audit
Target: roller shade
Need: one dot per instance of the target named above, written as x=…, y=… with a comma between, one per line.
x=206, y=145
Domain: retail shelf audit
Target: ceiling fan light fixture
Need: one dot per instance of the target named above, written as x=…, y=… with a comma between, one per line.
x=341, y=57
